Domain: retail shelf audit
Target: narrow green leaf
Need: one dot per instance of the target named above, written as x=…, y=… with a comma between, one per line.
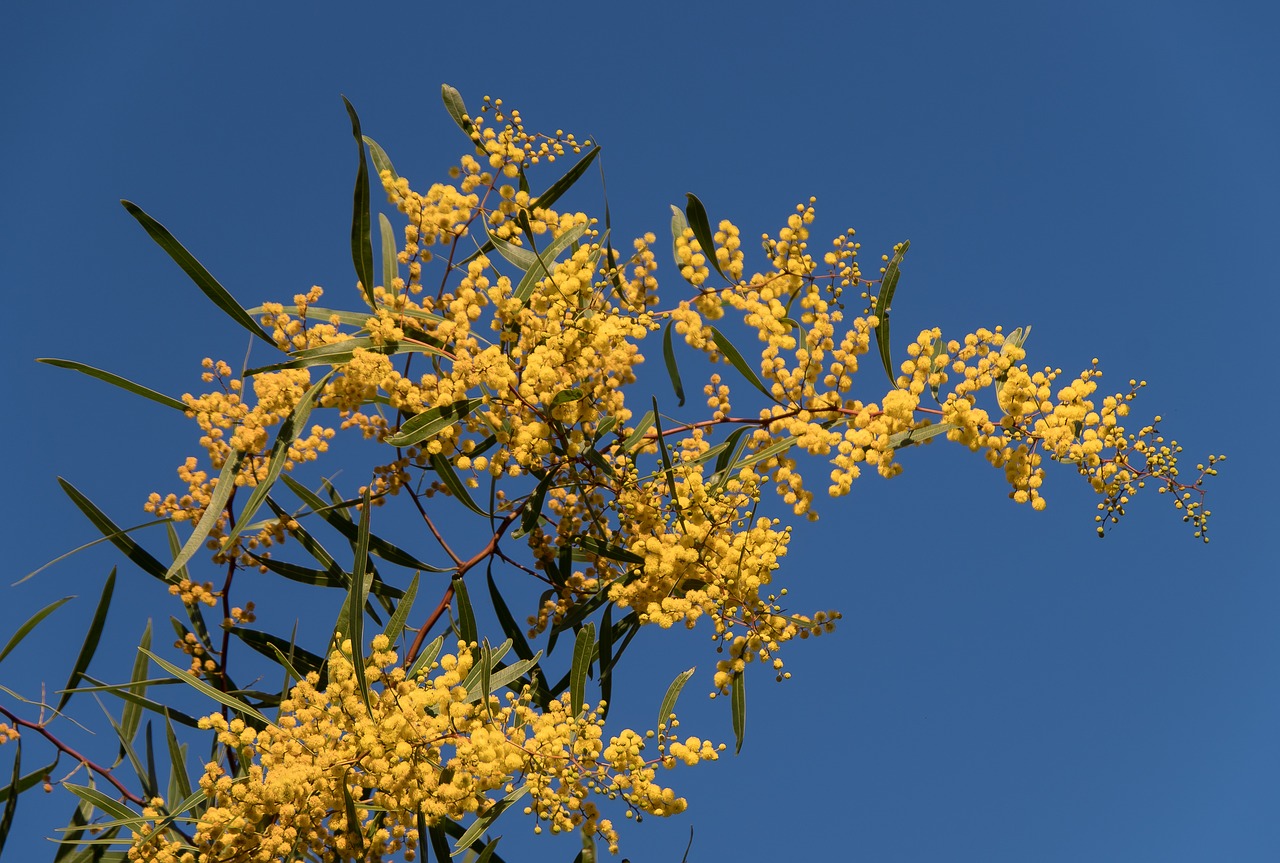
x=32, y=623
x=390, y=261
x=486, y=675
x=938, y=347
x=636, y=437
x=122, y=691
x=919, y=435
x=507, y=621
x=179, y=780
x=444, y=469
x=533, y=506
x=505, y=677
x=518, y=256
x=727, y=458
x=293, y=427
x=11, y=803
x=426, y=657
x=604, y=650
x=564, y=397
x=457, y=110
x=212, y=512
x=466, y=616
x=546, y=262
x=208, y=691
x=487, y=853
x=583, y=650
x=735, y=358
x=338, y=353
x=697, y=215
x=91, y=638
x=669, y=700
x=678, y=225
x=673, y=371
x=115, y=380
x=355, y=604
x=738, y=693
x=361, y=245
x=193, y=268
x=599, y=547
x=883, y=305
x=606, y=425
x=354, y=828
x=132, y=714
x=74, y=830
x=400, y=616
x=667, y=469
x=562, y=185
x=298, y=661
x=381, y=162
x=118, y=537
x=1017, y=337
x=105, y=804
x=491, y=814
x=421, y=426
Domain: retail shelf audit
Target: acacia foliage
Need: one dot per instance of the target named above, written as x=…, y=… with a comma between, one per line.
x=490, y=365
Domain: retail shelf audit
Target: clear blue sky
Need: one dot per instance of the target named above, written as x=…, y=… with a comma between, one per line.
x=1005, y=686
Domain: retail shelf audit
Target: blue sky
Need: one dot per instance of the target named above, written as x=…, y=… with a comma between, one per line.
x=1004, y=685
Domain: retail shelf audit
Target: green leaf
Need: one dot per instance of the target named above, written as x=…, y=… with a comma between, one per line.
x=486, y=673
x=519, y=256
x=636, y=437
x=354, y=828
x=361, y=245
x=457, y=110
x=505, y=677
x=507, y=621
x=697, y=216
x=1017, y=337
x=466, y=616
x=11, y=804
x=600, y=548
x=431, y=422
x=124, y=693
x=673, y=371
x=738, y=694
x=338, y=353
x=562, y=185
x=426, y=657
x=678, y=225
x=444, y=469
x=564, y=397
x=390, y=260
x=546, y=262
x=381, y=162
x=491, y=814
x=179, y=781
x=666, y=464
x=938, y=347
x=115, y=380
x=132, y=714
x=731, y=353
x=919, y=435
x=212, y=512
x=208, y=691
x=193, y=268
x=400, y=616
x=532, y=508
x=356, y=599
x=669, y=700
x=104, y=804
x=293, y=427
x=32, y=623
x=583, y=651
x=118, y=538
x=297, y=661
x=888, y=284
x=91, y=639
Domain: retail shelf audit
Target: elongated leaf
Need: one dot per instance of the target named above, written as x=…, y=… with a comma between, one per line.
x=293, y=427
x=583, y=650
x=481, y=824
x=673, y=371
x=400, y=616
x=532, y=514
x=735, y=358
x=299, y=661
x=444, y=469
x=1017, y=338
x=738, y=694
x=457, y=110
x=179, y=780
x=354, y=828
x=426, y=657
x=355, y=604
x=390, y=262
x=193, y=268
x=919, y=435
x=513, y=630
x=381, y=162
x=208, y=691
x=546, y=262
x=938, y=347
x=105, y=804
x=212, y=512
x=599, y=547
x=678, y=225
x=338, y=353
x=91, y=639
x=74, y=830
x=361, y=246
x=115, y=380
x=31, y=780
x=505, y=677
x=604, y=651
x=118, y=537
x=124, y=693
x=519, y=256
x=486, y=673
x=562, y=185
x=636, y=437
x=11, y=802
x=666, y=464
x=431, y=422
x=466, y=616
x=727, y=457
x=32, y=623
x=132, y=714
x=883, y=305
x=669, y=700
x=697, y=216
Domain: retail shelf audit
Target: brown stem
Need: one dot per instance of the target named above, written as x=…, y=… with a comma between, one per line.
x=104, y=772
